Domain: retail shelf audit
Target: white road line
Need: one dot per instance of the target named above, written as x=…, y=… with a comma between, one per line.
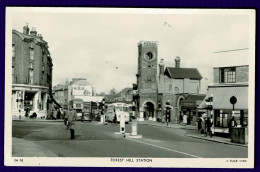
x=164, y=148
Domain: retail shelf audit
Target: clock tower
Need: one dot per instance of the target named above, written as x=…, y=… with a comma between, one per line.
x=147, y=79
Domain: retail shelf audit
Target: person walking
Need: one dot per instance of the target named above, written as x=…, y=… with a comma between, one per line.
x=185, y=119
x=199, y=121
x=66, y=117
x=208, y=127
x=72, y=118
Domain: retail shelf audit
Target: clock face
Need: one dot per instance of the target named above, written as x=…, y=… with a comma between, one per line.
x=149, y=56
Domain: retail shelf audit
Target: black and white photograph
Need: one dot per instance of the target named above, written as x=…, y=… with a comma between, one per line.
x=129, y=87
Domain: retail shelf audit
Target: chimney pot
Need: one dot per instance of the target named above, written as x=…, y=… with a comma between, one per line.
x=26, y=30
x=177, y=62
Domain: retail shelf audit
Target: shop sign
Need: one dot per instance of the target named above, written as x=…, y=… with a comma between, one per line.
x=188, y=104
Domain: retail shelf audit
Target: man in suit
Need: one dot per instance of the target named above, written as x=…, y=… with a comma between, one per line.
x=72, y=118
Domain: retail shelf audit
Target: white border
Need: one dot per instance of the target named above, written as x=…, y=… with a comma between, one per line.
x=106, y=162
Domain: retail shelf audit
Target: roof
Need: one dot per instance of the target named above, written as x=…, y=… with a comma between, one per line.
x=26, y=37
x=81, y=82
x=192, y=73
x=222, y=95
x=194, y=97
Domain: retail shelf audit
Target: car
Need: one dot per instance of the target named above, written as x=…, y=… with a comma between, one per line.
x=86, y=115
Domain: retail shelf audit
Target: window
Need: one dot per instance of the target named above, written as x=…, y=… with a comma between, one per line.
x=43, y=68
x=43, y=55
x=13, y=50
x=31, y=65
x=176, y=90
x=227, y=75
x=31, y=54
x=222, y=118
x=30, y=76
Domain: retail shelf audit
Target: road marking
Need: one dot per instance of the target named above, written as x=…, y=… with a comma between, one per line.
x=165, y=148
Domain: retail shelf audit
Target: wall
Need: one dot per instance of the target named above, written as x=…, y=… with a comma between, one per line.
x=242, y=74
x=22, y=62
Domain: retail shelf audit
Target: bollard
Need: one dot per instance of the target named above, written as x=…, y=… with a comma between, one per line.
x=102, y=119
x=134, y=128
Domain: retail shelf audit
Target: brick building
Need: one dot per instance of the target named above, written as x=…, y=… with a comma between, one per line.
x=169, y=84
x=231, y=81
x=31, y=72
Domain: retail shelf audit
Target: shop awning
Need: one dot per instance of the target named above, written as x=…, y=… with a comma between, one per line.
x=222, y=95
x=91, y=98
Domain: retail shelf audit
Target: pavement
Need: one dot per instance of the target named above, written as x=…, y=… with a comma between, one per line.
x=24, y=148
x=191, y=131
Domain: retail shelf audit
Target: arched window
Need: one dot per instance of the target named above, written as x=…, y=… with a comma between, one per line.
x=176, y=90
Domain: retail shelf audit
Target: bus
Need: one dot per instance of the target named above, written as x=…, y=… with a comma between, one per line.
x=77, y=104
x=117, y=109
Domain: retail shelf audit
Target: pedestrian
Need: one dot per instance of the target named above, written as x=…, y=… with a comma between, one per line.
x=232, y=123
x=181, y=118
x=61, y=113
x=66, y=117
x=72, y=119
x=208, y=127
x=203, y=126
x=199, y=121
x=54, y=114
x=27, y=111
x=185, y=119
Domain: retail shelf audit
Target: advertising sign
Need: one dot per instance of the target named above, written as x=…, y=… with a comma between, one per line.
x=82, y=90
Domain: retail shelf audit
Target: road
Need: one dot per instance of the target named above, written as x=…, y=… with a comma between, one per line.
x=95, y=140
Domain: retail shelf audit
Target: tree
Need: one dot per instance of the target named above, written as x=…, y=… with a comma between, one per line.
x=112, y=91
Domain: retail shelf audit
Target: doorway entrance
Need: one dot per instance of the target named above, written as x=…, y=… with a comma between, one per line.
x=149, y=110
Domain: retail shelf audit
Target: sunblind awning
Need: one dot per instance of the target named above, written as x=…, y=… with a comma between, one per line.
x=91, y=98
x=222, y=95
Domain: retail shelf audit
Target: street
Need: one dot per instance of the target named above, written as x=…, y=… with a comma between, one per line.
x=95, y=140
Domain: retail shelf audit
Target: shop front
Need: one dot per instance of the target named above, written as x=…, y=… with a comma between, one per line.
x=219, y=105
x=30, y=98
x=189, y=108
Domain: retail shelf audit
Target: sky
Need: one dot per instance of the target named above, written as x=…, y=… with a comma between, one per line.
x=101, y=45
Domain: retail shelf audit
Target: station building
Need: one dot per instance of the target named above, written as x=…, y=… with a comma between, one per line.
x=31, y=73
x=158, y=84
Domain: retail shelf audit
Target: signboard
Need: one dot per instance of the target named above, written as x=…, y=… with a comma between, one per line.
x=79, y=90
x=188, y=104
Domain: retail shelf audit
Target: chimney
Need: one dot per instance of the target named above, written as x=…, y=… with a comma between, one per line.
x=177, y=62
x=161, y=67
x=33, y=31
x=40, y=36
x=26, y=29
